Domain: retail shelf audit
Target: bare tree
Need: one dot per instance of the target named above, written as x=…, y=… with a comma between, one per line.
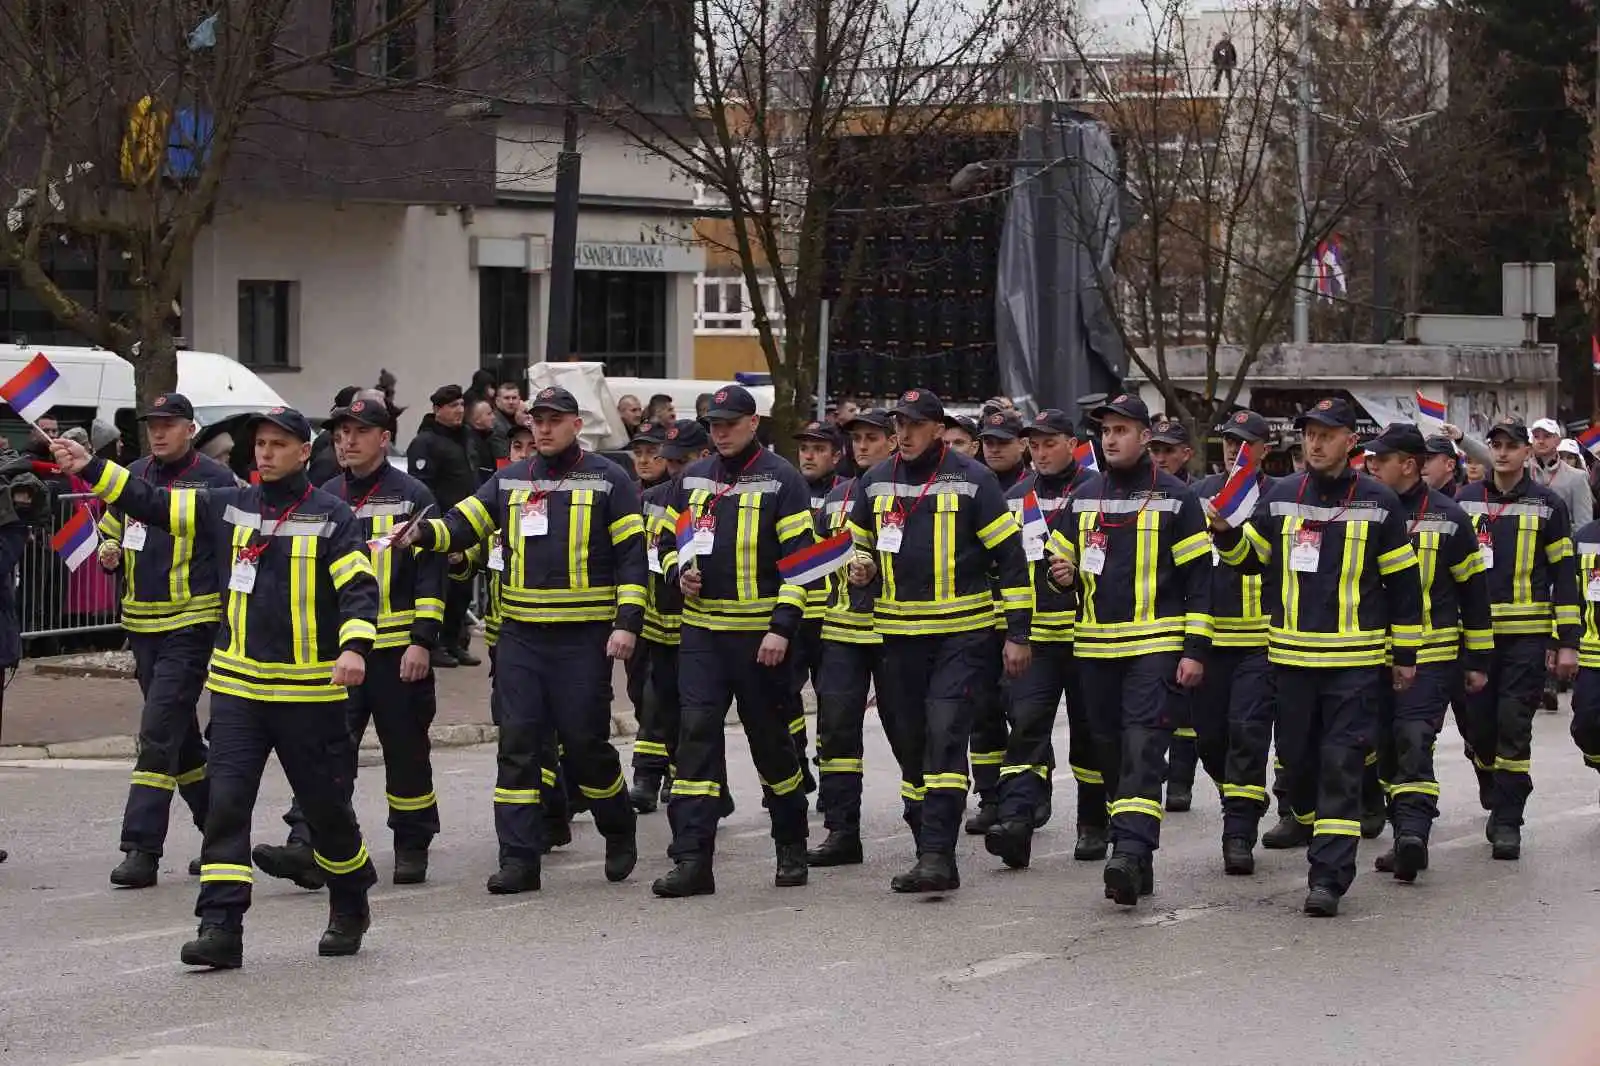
x=126, y=123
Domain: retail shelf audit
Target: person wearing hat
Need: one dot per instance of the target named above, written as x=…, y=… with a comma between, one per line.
x=961, y=433
x=442, y=455
x=1233, y=707
x=852, y=662
x=1585, y=727
x=1028, y=759
x=1347, y=597
x=171, y=605
x=1524, y=535
x=645, y=447
x=651, y=471
x=1439, y=464
x=1172, y=451
x=325, y=464
x=1566, y=481
x=298, y=622
x=1170, y=447
x=397, y=693
x=746, y=508
x=937, y=525
x=572, y=598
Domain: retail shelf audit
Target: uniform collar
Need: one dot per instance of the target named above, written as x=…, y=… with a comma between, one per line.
x=563, y=460
x=1138, y=473
x=355, y=484
x=733, y=465
x=174, y=466
x=286, y=491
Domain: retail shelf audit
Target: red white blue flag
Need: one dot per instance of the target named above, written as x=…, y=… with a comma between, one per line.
x=77, y=541
x=1237, y=500
x=816, y=560
x=1083, y=454
x=1434, y=409
x=30, y=393
x=1590, y=439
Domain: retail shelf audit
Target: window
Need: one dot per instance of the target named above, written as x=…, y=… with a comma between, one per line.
x=264, y=320
x=620, y=319
x=444, y=41
x=723, y=304
x=503, y=321
x=341, y=40
x=400, y=46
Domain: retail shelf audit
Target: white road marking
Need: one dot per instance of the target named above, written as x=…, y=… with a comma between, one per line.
x=748, y=834
x=428, y=979
x=147, y=969
x=836, y=965
x=1188, y=976
x=411, y=893
x=53, y=898
x=179, y=1029
x=1365, y=918
x=769, y=910
x=969, y=1038
x=190, y=1055
x=724, y=1034
x=1173, y=917
x=132, y=938
x=120, y=765
x=462, y=770
x=1000, y=925
x=990, y=967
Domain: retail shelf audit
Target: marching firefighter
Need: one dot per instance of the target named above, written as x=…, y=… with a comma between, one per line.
x=1456, y=644
x=652, y=472
x=572, y=599
x=740, y=512
x=1052, y=671
x=852, y=659
x=171, y=605
x=1347, y=593
x=819, y=449
x=1172, y=451
x=1586, y=689
x=298, y=623
x=1140, y=555
x=1233, y=706
x=937, y=523
x=397, y=696
x=1524, y=538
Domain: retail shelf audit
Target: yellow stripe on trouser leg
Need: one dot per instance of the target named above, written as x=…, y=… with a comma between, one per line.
x=1136, y=805
x=916, y=793
x=192, y=776
x=650, y=747
x=797, y=726
x=226, y=871
x=603, y=793
x=516, y=796
x=410, y=803
x=681, y=787
x=841, y=766
x=988, y=758
x=1085, y=776
x=150, y=779
x=1335, y=827
x=348, y=866
x=786, y=786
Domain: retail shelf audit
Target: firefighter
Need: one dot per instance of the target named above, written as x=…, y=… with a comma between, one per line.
x=1052, y=672
x=652, y=472
x=936, y=523
x=1233, y=706
x=747, y=508
x=961, y=434
x=1456, y=643
x=1586, y=689
x=1139, y=552
x=1525, y=540
x=398, y=694
x=1345, y=591
x=852, y=659
x=820, y=447
x=1172, y=451
x=1439, y=468
x=171, y=605
x=298, y=622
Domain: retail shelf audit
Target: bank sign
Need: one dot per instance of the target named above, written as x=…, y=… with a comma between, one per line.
x=655, y=258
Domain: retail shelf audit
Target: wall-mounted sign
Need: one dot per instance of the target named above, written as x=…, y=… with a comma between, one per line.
x=621, y=255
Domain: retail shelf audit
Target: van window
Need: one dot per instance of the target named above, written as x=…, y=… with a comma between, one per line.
x=127, y=423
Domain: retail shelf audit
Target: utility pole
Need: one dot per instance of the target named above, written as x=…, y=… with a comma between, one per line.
x=1302, y=291
x=564, y=241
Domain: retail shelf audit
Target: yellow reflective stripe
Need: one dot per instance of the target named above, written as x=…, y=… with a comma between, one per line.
x=151, y=779
x=238, y=602
x=1472, y=564
x=348, y=866
x=711, y=789
x=189, y=777
x=1259, y=543
x=342, y=569
x=580, y=529
x=1558, y=550
x=1247, y=792
x=650, y=747
x=1237, y=554
x=1018, y=597
x=1479, y=639
x=841, y=766
x=792, y=526
x=1013, y=771
x=357, y=629
x=182, y=511
x=995, y=533
x=109, y=485
x=631, y=595
x=603, y=793
x=793, y=595
x=1191, y=548
x=284, y=693
x=516, y=796
x=862, y=538
x=1334, y=827
x=786, y=786
x=271, y=671
x=111, y=525
x=988, y=758
x=477, y=516
x=629, y=525
x=1146, y=564
x=1136, y=805
x=1406, y=636
x=1420, y=788
x=1197, y=625
x=430, y=609
x=226, y=871
x=1513, y=766
x=949, y=781
x=1522, y=558
x=303, y=595
x=1396, y=559
x=181, y=516
x=915, y=793
x=1086, y=776
x=410, y=803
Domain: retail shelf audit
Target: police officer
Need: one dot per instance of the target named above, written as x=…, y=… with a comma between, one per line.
x=747, y=508
x=171, y=604
x=819, y=448
x=1139, y=552
x=1524, y=538
x=1052, y=672
x=852, y=660
x=298, y=622
x=1233, y=706
x=937, y=523
x=572, y=598
x=1346, y=593
x=1172, y=451
x=398, y=692
x=1456, y=639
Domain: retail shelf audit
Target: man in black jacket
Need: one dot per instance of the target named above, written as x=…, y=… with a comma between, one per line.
x=441, y=456
x=324, y=457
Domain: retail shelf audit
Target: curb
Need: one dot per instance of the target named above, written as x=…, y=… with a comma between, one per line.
x=44, y=669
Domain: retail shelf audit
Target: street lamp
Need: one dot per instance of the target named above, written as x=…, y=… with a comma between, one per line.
x=966, y=179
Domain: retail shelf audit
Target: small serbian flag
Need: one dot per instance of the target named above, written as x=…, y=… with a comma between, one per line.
x=77, y=540
x=817, y=560
x=1033, y=523
x=1434, y=409
x=1083, y=454
x=31, y=390
x=684, y=533
x=1590, y=439
x=1237, y=500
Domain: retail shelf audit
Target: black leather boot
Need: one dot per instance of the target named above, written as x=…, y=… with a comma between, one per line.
x=514, y=877
x=841, y=848
x=1505, y=841
x=986, y=816
x=194, y=867
x=1092, y=843
x=290, y=862
x=792, y=870
x=688, y=877
x=1011, y=843
x=1123, y=874
x=215, y=947
x=346, y=927
x=136, y=870
x=410, y=866
x=645, y=792
x=622, y=855
x=933, y=871
x=1322, y=902
x=1410, y=857
x=1288, y=833
x=1238, y=858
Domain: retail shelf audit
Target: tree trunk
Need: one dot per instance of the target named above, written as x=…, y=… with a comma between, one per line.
x=155, y=367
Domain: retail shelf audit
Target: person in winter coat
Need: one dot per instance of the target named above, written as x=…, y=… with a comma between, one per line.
x=442, y=456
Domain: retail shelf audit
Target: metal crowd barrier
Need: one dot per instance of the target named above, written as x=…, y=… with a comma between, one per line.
x=51, y=600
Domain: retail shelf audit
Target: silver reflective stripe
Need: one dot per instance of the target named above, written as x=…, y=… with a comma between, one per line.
x=1440, y=526
x=896, y=488
x=1168, y=505
x=1054, y=503
x=1588, y=547
x=756, y=485
x=817, y=502
x=655, y=510
x=833, y=507
x=1536, y=509
x=585, y=482
x=1360, y=511
x=294, y=527
x=385, y=510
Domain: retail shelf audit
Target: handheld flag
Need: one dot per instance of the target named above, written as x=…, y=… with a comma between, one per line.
x=1594, y=350
x=1434, y=409
x=683, y=533
x=1590, y=440
x=1083, y=454
x=77, y=541
x=30, y=391
x=386, y=541
x=817, y=560
x=1237, y=500
x=1033, y=523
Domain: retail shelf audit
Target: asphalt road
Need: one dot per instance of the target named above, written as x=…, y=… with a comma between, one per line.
x=1477, y=963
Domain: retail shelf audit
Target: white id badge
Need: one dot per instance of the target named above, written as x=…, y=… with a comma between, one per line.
x=535, y=519
x=652, y=555
x=243, y=578
x=133, y=535
x=705, y=536
x=497, y=557
x=889, y=538
x=1033, y=548
x=1305, y=554
x=1093, y=560
x=1486, y=549
x=1593, y=586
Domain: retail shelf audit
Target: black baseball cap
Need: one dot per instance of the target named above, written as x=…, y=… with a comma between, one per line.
x=650, y=433
x=363, y=411
x=1169, y=431
x=1515, y=428
x=169, y=405
x=521, y=424
x=1002, y=425
x=876, y=418
x=1402, y=437
x=1124, y=404
x=1438, y=444
x=730, y=401
x=684, y=438
x=823, y=431
x=1246, y=426
x=964, y=423
x=554, y=398
x=1333, y=411
x=287, y=419
x=446, y=394
x=919, y=405
x=1051, y=420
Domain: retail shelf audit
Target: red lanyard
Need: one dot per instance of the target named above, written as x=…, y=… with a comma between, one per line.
x=376, y=485
x=1490, y=516
x=926, y=485
x=1099, y=514
x=149, y=471
x=252, y=552
x=1422, y=506
x=537, y=497
x=711, y=505
x=1316, y=526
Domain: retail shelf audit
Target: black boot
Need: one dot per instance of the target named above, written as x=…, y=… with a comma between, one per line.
x=792, y=870
x=1372, y=822
x=1180, y=796
x=410, y=866
x=4, y=855
x=136, y=870
x=346, y=927
x=194, y=867
x=1147, y=876
x=441, y=659
x=841, y=848
x=557, y=834
x=666, y=788
x=688, y=877
x=1042, y=810
x=290, y=862
x=1384, y=863
x=1506, y=841
x=1410, y=857
x=215, y=947
x=643, y=794
x=934, y=871
x=622, y=855
x=1288, y=833
x=1238, y=858
x=1011, y=843
x=986, y=816
x=1124, y=876
x=465, y=657
x=1322, y=902
x=514, y=877
x=1092, y=843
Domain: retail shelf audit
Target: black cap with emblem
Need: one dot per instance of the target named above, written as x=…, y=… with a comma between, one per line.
x=1438, y=444
x=729, y=402
x=1124, y=404
x=364, y=411
x=1515, y=428
x=1001, y=425
x=1334, y=411
x=823, y=431
x=1246, y=426
x=873, y=418
x=287, y=419
x=684, y=438
x=1402, y=437
x=1051, y=421
x=1169, y=431
x=169, y=405
x=554, y=398
x=919, y=405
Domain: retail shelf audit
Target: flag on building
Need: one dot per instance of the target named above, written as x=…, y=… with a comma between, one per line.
x=1434, y=409
x=816, y=560
x=1237, y=500
x=1083, y=454
x=32, y=390
x=77, y=541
